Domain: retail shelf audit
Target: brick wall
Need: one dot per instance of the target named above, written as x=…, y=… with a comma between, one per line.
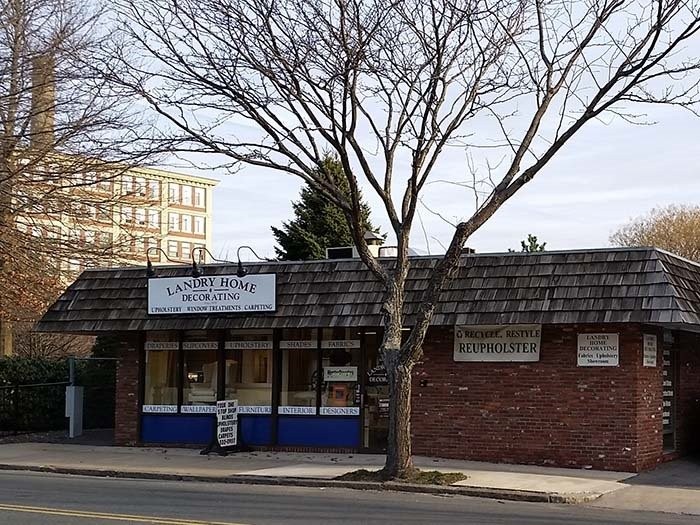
x=126, y=418
x=550, y=412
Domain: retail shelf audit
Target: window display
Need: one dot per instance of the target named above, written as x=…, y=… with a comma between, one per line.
x=299, y=372
x=200, y=373
x=160, y=388
x=249, y=370
x=340, y=391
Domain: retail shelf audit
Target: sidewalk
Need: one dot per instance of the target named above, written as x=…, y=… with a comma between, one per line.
x=517, y=482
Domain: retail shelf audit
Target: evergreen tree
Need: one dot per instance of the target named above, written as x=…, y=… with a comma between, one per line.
x=317, y=223
x=531, y=245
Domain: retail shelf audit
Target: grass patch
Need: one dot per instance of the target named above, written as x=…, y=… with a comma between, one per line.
x=418, y=477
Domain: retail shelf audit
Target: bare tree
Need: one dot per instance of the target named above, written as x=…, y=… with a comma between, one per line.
x=64, y=137
x=675, y=228
x=378, y=82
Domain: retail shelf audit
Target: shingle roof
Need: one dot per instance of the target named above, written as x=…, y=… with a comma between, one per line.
x=615, y=285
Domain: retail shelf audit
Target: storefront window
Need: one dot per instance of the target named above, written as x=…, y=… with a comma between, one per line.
x=340, y=390
x=299, y=372
x=160, y=389
x=249, y=370
x=200, y=377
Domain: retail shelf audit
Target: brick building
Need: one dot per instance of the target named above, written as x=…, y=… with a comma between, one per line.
x=577, y=358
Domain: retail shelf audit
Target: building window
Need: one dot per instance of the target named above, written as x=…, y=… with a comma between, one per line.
x=299, y=372
x=172, y=248
x=249, y=370
x=186, y=224
x=140, y=246
x=199, y=225
x=161, y=371
x=173, y=192
x=105, y=183
x=340, y=361
x=199, y=198
x=90, y=236
x=140, y=186
x=154, y=189
x=140, y=216
x=127, y=216
x=185, y=249
x=127, y=184
x=187, y=195
x=154, y=218
x=200, y=379
x=173, y=222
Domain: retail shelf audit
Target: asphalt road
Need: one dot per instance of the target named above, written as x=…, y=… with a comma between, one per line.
x=31, y=498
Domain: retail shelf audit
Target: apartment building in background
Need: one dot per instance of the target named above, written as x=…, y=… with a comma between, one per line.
x=129, y=215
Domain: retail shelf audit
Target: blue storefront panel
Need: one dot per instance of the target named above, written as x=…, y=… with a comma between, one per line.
x=184, y=429
x=319, y=431
x=198, y=430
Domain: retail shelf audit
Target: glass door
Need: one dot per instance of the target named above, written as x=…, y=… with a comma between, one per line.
x=375, y=418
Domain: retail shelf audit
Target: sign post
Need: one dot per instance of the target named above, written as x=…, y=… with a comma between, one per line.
x=226, y=437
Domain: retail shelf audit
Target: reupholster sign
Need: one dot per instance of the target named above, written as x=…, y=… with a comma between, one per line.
x=212, y=294
x=498, y=343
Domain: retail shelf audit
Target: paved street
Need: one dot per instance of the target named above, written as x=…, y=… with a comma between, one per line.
x=36, y=498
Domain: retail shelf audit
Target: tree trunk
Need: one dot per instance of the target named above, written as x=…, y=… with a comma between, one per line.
x=399, y=463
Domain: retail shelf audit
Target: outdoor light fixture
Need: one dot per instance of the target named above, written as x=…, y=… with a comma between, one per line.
x=150, y=269
x=196, y=272
x=242, y=272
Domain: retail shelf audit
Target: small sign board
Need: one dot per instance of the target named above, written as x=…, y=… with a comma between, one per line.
x=377, y=376
x=598, y=350
x=227, y=422
x=212, y=294
x=650, y=350
x=505, y=343
x=340, y=373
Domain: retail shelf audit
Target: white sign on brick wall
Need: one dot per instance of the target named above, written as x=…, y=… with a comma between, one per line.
x=598, y=350
x=498, y=343
x=650, y=350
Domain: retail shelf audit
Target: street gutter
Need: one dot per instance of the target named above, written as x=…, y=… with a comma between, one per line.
x=286, y=481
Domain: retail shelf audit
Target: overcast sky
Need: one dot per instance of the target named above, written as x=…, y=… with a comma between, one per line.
x=607, y=175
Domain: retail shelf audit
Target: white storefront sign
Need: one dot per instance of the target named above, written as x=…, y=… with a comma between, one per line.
x=248, y=345
x=227, y=422
x=296, y=411
x=159, y=409
x=212, y=294
x=340, y=373
x=304, y=344
x=598, y=350
x=198, y=409
x=341, y=343
x=160, y=345
x=200, y=345
x=254, y=409
x=505, y=343
x=650, y=350
x=340, y=411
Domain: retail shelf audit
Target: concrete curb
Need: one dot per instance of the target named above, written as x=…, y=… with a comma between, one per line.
x=460, y=490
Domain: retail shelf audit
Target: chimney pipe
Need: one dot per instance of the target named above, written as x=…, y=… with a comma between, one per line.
x=43, y=102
